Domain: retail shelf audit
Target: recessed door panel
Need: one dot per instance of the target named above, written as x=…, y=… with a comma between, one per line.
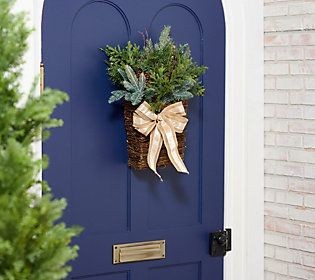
x=189, y=271
x=97, y=134
x=180, y=194
x=107, y=276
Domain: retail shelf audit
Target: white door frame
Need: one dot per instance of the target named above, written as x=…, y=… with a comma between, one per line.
x=244, y=129
x=244, y=146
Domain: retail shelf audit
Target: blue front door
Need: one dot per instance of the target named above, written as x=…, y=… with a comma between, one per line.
x=88, y=156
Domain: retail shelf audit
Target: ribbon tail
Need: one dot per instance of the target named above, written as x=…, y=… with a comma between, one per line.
x=171, y=144
x=156, y=142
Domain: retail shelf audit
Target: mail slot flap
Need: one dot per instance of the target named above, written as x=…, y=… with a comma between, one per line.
x=140, y=251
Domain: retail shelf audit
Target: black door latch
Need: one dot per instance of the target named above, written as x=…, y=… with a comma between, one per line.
x=220, y=242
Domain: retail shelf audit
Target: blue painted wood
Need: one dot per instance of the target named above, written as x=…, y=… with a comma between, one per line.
x=88, y=155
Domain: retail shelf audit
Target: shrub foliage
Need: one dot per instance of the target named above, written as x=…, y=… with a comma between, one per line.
x=34, y=244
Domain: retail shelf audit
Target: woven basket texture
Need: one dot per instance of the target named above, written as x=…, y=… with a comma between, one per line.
x=138, y=144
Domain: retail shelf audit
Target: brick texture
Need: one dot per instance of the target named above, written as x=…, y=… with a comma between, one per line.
x=289, y=139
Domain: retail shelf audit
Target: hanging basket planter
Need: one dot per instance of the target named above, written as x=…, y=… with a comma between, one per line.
x=138, y=144
x=155, y=82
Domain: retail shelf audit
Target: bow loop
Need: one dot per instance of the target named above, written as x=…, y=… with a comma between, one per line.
x=162, y=128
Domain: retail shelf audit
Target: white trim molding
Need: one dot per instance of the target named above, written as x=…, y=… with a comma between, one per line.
x=244, y=129
x=244, y=181
x=33, y=56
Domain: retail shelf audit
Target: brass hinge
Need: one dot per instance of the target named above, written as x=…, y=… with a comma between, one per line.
x=42, y=76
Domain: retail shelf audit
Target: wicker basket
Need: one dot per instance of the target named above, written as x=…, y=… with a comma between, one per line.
x=138, y=144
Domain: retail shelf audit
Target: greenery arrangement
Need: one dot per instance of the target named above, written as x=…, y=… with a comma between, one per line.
x=34, y=245
x=160, y=73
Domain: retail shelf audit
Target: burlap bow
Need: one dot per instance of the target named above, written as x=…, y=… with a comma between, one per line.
x=163, y=128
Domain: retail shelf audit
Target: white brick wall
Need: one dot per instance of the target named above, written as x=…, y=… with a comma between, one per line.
x=289, y=139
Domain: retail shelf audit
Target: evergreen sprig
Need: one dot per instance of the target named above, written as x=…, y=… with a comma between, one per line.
x=34, y=244
x=135, y=88
x=119, y=57
x=171, y=74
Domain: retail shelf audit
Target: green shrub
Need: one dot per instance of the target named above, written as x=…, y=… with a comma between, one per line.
x=34, y=244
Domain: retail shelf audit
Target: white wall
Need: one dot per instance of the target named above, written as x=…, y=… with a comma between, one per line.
x=289, y=139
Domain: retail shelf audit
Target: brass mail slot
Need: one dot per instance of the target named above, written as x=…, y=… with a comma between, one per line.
x=141, y=251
